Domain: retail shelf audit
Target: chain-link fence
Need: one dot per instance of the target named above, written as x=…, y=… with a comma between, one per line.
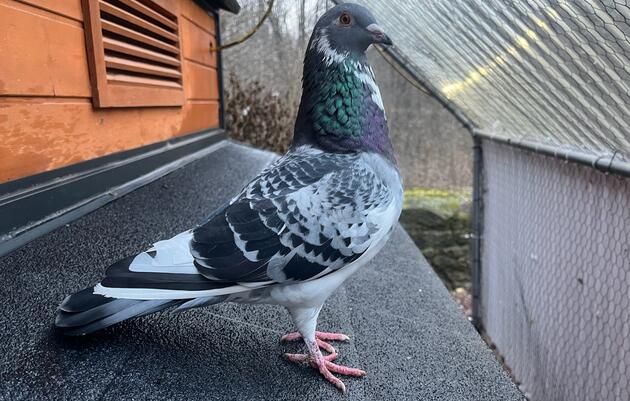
x=556, y=268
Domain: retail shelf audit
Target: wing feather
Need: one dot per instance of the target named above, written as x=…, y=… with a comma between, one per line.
x=307, y=214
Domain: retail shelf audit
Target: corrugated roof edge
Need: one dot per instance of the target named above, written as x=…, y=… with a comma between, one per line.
x=213, y=5
x=606, y=163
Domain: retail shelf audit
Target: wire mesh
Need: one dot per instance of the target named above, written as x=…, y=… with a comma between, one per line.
x=555, y=276
x=552, y=71
x=555, y=241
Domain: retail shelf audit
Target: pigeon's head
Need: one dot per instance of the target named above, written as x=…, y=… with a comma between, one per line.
x=348, y=29
x=341, y=107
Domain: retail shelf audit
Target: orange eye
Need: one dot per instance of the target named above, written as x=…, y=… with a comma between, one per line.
x=345, y=19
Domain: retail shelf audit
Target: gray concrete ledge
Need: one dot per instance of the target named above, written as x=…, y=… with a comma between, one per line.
x=405, y=329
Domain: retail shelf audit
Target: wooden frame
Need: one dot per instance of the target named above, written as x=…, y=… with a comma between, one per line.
x=134, y=54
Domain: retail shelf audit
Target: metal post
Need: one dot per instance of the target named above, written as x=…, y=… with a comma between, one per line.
x=477, y=231
x=217, y=17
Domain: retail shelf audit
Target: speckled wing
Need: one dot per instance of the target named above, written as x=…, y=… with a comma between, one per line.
x=308, y=214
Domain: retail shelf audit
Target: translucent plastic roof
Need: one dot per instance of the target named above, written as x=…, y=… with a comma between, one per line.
x=552, y=72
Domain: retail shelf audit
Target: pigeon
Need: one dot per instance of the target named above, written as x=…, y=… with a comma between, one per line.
x=298, y=230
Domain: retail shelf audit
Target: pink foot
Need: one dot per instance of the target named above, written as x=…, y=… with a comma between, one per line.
x=299, y=358
x=321, y=362
x=326, y=367
x=332, y=352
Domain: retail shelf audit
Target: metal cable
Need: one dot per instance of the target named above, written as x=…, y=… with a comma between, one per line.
x=248, y=34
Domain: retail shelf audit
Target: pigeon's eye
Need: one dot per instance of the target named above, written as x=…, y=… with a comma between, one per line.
x=345, y=19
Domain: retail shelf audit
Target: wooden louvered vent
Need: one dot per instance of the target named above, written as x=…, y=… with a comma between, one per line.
x=134, y=53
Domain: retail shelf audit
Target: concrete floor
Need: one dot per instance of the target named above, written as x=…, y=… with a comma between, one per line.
x=405, y=329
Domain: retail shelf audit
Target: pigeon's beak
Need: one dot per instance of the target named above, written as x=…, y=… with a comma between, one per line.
x=378, y=35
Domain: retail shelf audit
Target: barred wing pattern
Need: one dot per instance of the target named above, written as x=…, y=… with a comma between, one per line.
x=308, y=214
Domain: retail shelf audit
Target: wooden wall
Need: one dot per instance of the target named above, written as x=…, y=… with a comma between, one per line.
x=47, y=119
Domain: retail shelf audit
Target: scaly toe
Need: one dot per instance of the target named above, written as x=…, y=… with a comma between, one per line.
x=291, y=336
x=344, y=370
x=326, y=347
x=332, y=379
x=299, y=358
x=322, y=335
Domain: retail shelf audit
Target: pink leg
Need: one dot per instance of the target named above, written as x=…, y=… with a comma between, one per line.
x=321, y=335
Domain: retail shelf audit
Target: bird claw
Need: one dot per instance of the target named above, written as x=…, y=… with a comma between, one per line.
x=345, y=370
x=326, y=368
x=332, y=379
x=323, y=363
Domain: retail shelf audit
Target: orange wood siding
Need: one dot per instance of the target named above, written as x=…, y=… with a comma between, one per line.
x=41, y=54
x=47, y=119
x=67, y=8
x=199, y=40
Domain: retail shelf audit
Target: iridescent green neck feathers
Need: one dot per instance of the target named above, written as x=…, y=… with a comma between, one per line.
x=341, y=107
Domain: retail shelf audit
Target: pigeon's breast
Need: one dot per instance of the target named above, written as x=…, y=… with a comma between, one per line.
x=387, y=172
